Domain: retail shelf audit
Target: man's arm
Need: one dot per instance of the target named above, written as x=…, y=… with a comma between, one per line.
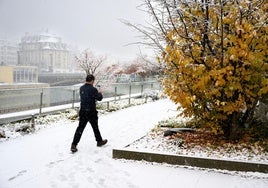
x=98, y=95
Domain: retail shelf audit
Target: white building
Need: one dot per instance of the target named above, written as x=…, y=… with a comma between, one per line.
x=8, y=53
x=46, y=51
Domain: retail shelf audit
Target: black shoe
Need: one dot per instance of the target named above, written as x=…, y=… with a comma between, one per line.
x=101, y=143
x=73, y=148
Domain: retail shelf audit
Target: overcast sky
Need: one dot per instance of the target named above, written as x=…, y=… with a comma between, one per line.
x=92, y=24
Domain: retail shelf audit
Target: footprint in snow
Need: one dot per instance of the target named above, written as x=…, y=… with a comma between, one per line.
x=19, y=174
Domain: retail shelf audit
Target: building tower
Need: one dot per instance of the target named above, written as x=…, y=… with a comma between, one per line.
x=45, y=51
x=8, y=52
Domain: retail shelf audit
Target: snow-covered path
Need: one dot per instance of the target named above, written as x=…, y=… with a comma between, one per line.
x=44, y=159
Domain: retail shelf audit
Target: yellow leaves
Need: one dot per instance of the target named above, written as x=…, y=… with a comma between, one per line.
x=227, y=20
x=264, y=89
x=219, y=103
x=201, y=83
x=196, y=51
x=215, y=77
x=169, y=49
x=169, y=37
x=182, y=95
x=237, y=105
x=220, y=82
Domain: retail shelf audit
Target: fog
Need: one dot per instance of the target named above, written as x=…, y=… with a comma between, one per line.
x=86, y=24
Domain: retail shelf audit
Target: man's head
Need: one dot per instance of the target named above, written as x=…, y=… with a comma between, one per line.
x=90, y=78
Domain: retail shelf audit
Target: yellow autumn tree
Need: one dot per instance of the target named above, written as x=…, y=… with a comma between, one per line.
x=214, y=54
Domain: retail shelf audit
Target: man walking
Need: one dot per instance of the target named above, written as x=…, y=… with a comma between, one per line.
x=88, y=112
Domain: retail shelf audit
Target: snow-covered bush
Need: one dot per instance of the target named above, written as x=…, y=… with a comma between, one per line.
x=151, y=93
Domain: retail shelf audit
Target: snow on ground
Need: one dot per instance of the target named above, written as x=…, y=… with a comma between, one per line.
x=43, y=158
x=155, y=141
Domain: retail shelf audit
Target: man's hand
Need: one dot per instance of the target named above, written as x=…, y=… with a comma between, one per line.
x=99, y=88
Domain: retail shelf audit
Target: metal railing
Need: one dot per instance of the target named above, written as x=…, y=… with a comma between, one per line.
x=16, y=100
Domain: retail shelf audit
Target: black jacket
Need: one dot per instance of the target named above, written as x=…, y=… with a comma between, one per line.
x=88, y=97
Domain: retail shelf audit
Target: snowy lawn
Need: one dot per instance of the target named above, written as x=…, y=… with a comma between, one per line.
x=43, y=158
x=198, y=144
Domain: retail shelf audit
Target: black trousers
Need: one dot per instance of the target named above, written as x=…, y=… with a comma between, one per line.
x=84, y=118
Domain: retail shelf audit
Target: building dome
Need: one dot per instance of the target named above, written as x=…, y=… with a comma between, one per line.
x=44, y=50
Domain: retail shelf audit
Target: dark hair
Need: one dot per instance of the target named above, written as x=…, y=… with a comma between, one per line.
x=89, y=78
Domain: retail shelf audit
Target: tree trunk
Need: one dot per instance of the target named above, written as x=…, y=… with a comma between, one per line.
x=231, y=130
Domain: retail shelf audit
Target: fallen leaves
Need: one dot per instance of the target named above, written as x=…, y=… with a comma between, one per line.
x=202, y=144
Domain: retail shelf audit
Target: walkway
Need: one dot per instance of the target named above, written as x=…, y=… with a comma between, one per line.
x=43, y=159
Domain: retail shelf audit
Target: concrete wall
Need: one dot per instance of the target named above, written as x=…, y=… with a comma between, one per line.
x=191, y=161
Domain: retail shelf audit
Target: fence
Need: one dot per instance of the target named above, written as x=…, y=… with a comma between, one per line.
x=14, y=100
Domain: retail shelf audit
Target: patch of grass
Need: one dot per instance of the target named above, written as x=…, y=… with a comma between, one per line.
x=171, y=123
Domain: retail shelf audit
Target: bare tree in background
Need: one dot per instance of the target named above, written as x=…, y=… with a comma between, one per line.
x=91, y=63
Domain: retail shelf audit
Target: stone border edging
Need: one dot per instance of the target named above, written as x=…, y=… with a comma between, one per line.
x=191, y=161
